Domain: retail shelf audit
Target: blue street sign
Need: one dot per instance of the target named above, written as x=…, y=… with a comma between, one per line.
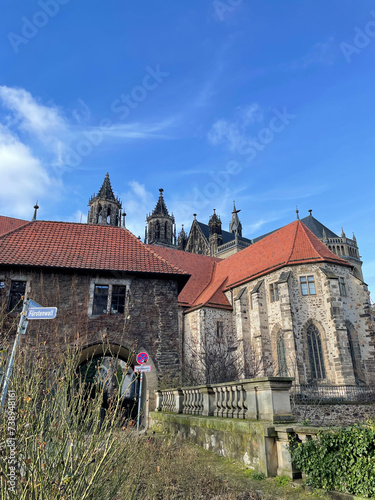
x=41, y=313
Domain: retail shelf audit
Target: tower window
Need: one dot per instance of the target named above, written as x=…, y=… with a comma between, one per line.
x=342, y=287
x=307, y=285
x=274, y=292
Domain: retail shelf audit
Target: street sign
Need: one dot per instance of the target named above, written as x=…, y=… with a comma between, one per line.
x=142, y=358
x=142, y=368
x=41, y=313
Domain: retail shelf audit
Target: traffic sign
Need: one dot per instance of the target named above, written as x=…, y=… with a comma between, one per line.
x=142, y=358
x=142, y=368
x=41, y=313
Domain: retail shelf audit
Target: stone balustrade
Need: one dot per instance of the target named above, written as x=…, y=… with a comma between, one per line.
x=264, y=398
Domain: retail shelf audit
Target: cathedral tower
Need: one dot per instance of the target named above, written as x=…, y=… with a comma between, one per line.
x=161, y=228
x=105, y=209
x=215, y=234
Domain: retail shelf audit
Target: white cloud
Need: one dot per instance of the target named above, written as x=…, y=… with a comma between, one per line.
x=236, y=133
x=137, y=202
x=137, y=130
x=23, y=177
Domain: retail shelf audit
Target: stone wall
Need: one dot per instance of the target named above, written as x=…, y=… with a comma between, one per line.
x=150, y=322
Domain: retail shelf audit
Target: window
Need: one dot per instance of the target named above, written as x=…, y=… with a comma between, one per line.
x=17, y=290
x=108, y=298
x=274, y=292
x=315, y=353
x=100, y=299
x=118, y=299
x=281, y=356
x=219, y=329
x=307, y=285
x=342, y=287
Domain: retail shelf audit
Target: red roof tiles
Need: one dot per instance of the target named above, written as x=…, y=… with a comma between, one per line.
x=80, y=246
x=8, y=224
x=200, y=267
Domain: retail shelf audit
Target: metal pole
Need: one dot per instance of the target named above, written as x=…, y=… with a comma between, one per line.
x=139, y=402
x=21, y=329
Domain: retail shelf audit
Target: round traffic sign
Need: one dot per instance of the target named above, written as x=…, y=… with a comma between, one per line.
x=142, y=358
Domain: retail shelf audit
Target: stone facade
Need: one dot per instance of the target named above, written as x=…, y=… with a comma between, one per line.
x=257, y=325
x=150, y=321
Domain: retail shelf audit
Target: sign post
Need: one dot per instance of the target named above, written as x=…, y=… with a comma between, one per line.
x=30, y=310
x=142, y=358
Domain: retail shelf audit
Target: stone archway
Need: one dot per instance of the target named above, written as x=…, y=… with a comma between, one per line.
x=113, y=366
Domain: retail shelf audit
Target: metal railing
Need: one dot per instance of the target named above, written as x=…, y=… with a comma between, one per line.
x=315, y=393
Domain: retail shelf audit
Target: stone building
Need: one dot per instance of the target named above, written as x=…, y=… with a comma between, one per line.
x=285, y=305
x=292, y=302
x=112, y=293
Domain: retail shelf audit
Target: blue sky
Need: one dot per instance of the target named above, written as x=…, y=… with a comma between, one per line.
x=270, y=104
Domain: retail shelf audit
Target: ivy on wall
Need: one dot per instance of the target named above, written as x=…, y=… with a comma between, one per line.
x=341, y=460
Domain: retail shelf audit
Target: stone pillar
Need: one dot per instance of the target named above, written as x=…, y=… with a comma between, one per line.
x=285, y=467
x=179, y=399
x=208, y=400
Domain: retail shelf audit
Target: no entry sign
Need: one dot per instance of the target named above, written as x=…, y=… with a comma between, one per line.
x=142, y=358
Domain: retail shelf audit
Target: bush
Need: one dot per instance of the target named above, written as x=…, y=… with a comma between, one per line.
x=342, y=460
x=282, y=480
x=65, y=444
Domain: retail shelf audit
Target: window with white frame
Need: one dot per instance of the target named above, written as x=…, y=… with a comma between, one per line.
x=307, y=285
x=342, y=287
x=274, y=292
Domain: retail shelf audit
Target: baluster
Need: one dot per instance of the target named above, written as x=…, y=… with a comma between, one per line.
x=217, y=401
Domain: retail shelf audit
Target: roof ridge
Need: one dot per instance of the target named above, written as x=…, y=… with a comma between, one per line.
x=160, y=257
x=16, y=228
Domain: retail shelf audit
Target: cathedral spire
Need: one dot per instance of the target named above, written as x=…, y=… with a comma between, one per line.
x=235, y=225
x=105, y=209
x=161, y=229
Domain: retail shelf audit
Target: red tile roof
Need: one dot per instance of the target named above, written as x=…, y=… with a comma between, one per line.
x=8, y=224
x=292, y=244
x=200, y=267
x=80, y=246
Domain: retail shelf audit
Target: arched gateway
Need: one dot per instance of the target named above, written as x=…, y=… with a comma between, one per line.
x=112, y=366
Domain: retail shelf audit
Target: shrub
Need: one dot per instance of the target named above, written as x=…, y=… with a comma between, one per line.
x=282, y=480
x=342, y=460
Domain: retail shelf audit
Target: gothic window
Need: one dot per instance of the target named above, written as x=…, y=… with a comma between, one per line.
x=17, y=290
x=99, y=305
x=166, y=230
x=274, y=292
x=219, y=329
x=108, y=216
x=99, y=218
x=157, y=230
x=315, y=353
x=342, y=287
x=355, y=355
x=281, y=355
x=307, y=285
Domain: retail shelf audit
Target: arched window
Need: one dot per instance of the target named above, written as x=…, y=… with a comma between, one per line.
x=108, y=215
x=315, y=353
x=166, y=230
x=157, y=230
x=281, y=356
x=355, y=355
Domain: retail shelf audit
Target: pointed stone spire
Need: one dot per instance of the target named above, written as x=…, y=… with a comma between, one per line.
x=354, y=238
x=36, y=207
x=182, y=239
x=105, y=209
x=235, y=225
x=160, y=225
x=324, y=235
x=343, y=235
x=106, y=191
x=161, y=207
